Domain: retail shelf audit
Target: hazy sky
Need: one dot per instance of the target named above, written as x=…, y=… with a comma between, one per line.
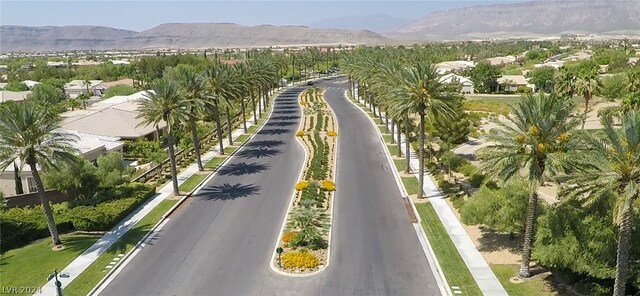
x=142, y=15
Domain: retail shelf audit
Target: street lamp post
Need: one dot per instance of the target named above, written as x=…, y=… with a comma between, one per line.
x=279, y=250
x=58, y=283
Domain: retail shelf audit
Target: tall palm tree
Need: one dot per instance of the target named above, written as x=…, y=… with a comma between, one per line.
x=165, y=103
x=586, y=85
x=565, y=82
x=31, y=136
x=221, y=85
x=537, y=142
x=616, y=168
x=190, y=82
x=419, y=91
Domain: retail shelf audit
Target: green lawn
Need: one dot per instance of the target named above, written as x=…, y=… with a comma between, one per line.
x=242, y=138
x=96, y=271
x=214, y=162
x=400, y=164
x=387, y=138
x=229, y=150
x=192, y=182
x=30, y=265
x=411, y=184
x=534, y=286
x=454, y=269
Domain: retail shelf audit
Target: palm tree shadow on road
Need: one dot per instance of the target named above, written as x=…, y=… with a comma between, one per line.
x=258, y=153
x=227, y=191
x=243, y=168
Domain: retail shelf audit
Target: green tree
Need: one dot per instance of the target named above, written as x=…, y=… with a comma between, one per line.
x=75, y=179
x=192, y=86
x=166, y=104
x=616, y=157
x=28, y=135
x=46, y=94
x=221, y=85
x=17, y=179
x=565, y=82
x=613, y=87
x=420, y=92
x=543, y=78
x=119, y=90
x=110, y=169
x=587, y=84
x=535, y=143
x=485, y=77
x=502, y=209
x=15, y=86
x=456, y=128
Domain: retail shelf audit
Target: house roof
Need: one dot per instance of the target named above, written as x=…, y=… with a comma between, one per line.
x=501, y=60
x=451, y=77
x=30, y=83
x=514, y=79
x=79, y=84
x=88, y=142
x=110, y=122
x=126, y=81
x=13, y=96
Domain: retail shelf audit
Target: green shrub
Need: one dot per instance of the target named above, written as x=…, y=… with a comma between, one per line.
x=23, y=225
x=476, y=180
x=467, y=169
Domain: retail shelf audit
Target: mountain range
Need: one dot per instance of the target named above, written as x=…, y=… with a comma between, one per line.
x=176, y=35
x=537, y=18
x=524, y=19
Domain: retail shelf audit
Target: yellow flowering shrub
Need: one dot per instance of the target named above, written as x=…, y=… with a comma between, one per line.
x=299, y=260
x=288, y=236
x=328, y=185
x=299, y=133
x=562, y=137
x=332, y=133
x=301, y=185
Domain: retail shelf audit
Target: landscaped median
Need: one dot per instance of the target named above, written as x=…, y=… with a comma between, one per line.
x=303, y=245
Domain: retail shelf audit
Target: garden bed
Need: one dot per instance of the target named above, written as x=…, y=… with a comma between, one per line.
x=305, y=237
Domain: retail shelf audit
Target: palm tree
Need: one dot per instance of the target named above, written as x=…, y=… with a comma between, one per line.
x=536, y=142
x=586, y=85
x=165, y=103
x=632, y=78
x=221, y=85
x=31, y=136
x=191, y=85
x=72, y=103
x=419, y=91
x=565, y=82
x=616, y=168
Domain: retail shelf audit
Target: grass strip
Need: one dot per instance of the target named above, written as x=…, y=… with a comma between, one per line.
x=214, y=162
x=411, y=184
x=400, y=164
x=453, y=267
x=97, y=270
x=192, y=182
x=30, y=265
x=242, y=138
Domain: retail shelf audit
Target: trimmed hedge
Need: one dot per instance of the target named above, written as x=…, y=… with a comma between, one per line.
x=20, y=226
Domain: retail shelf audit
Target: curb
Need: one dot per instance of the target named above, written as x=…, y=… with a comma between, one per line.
x=422, y=237
x=277, y=243
x=164, y=218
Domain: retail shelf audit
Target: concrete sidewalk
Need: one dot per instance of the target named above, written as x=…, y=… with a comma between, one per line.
x=82, y=262
x=480, y=270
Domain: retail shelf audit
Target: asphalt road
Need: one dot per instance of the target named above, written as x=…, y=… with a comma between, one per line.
x=221, y=241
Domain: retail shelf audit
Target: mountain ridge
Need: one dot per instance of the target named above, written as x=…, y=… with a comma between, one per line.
x=174, y=36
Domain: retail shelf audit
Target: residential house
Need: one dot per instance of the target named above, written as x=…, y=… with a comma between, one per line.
x=114, y=117
x=453, y=66
x=77, y=87
x=553, y=64
x=13, y=96
x=120, y=62
x=56, y=64
x=501, y=60
x=30, y=83
x=90, y=146
x=511, y=83
x=465, y=83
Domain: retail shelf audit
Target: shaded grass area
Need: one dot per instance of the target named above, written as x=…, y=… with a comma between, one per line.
x=214, y=162
x=30, y=265
x=411, y=184
x=192, y=182
x=454, y=269
x=535, y=286
x=97, y=270
x=242, y=138
x=400, y=164
x=386, y=137
x=229, y=150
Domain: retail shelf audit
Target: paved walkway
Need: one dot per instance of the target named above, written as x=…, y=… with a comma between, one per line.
x=480, y=270
x=82, y=262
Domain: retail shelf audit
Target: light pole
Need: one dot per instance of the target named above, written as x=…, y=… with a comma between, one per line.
x=58, y=283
